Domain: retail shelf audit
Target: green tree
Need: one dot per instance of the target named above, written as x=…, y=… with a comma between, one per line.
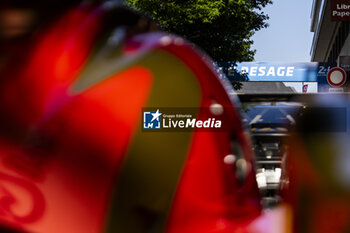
x=222, y=28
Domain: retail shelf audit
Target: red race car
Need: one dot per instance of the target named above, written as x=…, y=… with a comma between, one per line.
x=74, y=155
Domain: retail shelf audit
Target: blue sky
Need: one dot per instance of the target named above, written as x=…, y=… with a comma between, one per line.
x=288, y=38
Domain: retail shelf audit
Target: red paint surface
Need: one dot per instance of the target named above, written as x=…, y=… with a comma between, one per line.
x=66, y=148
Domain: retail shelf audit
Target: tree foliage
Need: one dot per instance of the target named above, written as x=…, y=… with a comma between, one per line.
x=222, y=28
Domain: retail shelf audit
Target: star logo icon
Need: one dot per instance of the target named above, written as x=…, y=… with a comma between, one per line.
x=156, y=115
x=151, y=119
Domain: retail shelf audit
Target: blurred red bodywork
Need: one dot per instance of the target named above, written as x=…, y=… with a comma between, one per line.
x=61, y=150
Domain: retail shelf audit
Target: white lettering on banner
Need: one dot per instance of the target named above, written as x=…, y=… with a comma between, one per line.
x=290, y=71
x=253, y=71
x=323, y=70
x=272, y=71
x=280, y=71
x=262, y=71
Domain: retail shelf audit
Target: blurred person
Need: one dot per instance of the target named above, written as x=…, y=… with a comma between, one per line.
x=73, y=158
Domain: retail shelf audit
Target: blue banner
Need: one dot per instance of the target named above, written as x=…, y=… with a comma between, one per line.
x=277, y=71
